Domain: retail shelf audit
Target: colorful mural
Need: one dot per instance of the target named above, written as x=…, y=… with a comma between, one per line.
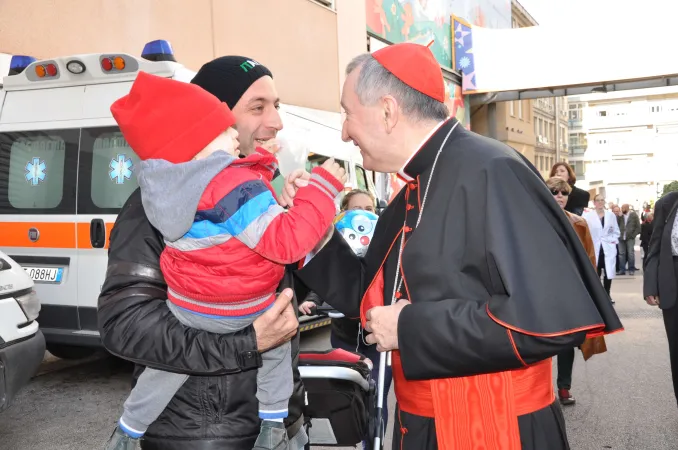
x=458, y=104
x=422, y=20
x=463, y=59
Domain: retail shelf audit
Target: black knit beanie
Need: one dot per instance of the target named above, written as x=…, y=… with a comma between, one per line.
x=229, y=77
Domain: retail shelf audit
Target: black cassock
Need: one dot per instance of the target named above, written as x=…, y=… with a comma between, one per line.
x=493, y=252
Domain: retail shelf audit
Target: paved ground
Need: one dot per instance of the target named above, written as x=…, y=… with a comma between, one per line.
x=624, y=398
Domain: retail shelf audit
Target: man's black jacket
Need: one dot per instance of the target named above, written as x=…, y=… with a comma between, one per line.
x=216, y=408
x=659, y=277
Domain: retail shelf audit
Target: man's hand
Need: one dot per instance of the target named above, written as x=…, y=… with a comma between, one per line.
x=382, y=323
x=295, y=180
x=306, y=307
x=335, y=169
x=652, y=300
x=277, y=325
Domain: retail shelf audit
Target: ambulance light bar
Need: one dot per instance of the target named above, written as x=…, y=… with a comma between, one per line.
x=75, y=67
x=18, y=63
x=108, y=63
x=159, y=50
x=46, y=69
x=94, y=68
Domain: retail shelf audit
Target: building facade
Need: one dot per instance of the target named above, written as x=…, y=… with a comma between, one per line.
x=630, y=143
x=306, y=43
x=551, y=133
x=577, y=136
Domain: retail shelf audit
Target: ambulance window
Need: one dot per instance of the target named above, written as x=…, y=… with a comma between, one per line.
x=315, y=160
x=107, y=171
x=361, y=178
x=38, y=172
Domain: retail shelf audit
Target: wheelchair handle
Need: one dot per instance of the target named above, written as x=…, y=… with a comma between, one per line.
x=326, y=311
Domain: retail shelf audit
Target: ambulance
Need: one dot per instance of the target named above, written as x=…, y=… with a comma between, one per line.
x=66, y=170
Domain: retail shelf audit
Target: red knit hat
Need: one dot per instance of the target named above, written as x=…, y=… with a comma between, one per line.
x=167, y=119
x=414, y=65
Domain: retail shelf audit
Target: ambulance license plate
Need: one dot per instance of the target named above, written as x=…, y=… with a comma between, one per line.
x=45, y=274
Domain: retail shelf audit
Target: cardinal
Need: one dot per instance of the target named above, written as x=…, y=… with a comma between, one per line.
x=474, y=278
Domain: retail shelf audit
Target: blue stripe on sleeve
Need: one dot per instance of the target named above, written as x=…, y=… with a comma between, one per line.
x=232, y=202
x=237, y=222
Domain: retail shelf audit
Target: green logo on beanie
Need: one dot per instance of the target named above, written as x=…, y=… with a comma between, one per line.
x=248, y=65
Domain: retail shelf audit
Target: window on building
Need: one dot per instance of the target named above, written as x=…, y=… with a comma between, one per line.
x=511, y=109
x=579, y=168
x=656, y=108
x=520, y=109
x=602, y=113
x=552, y=132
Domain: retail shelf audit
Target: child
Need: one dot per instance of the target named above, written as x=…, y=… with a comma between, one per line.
x=227, y=239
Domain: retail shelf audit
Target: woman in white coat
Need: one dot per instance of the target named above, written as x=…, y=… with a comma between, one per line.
x=605, y=235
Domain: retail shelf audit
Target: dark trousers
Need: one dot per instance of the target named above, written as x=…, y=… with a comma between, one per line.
x=369, y=351
x=565, y=364
x=626, y=254
x=601, y=266
x=671, y=325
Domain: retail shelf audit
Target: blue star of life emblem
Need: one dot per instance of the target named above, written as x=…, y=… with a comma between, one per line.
x=35, y=171
x=121, y=169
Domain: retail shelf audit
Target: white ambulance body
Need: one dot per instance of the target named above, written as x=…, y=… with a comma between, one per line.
x=66, y=170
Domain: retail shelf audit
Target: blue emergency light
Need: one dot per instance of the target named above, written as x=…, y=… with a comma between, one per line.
x=159, y=50
x=18, y=63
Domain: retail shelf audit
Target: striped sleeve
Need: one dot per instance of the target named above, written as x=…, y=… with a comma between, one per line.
x=250, y=213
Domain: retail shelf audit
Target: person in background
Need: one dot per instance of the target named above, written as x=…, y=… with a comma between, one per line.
x=616, y=210
x=578, y=198
x=660, y=273
x=645, y=234
x=359, y=199
x=346, y=333
x=605, y=234
x=629, y=227
x=560, y=190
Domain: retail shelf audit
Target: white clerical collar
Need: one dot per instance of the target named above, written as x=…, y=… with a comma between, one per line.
x=401, y=172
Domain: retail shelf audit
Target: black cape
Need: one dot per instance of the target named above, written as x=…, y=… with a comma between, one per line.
x=493, y=252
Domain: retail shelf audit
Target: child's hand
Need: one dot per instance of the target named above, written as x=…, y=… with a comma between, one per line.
x=297, y=179
x=272, y=146
x=306, y=308
x=335, y=169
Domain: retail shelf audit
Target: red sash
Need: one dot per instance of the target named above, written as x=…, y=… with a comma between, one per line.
x=471, y=413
